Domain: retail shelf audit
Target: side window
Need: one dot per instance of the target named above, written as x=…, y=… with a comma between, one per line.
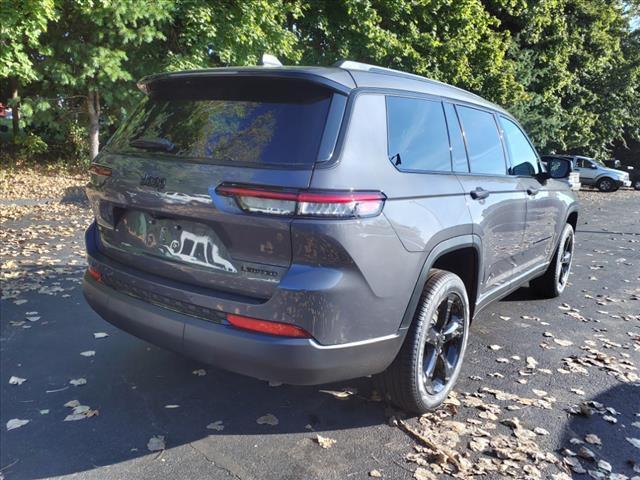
x=524, y=160
x=486, y=155
x=458, y=151
x=418, y=138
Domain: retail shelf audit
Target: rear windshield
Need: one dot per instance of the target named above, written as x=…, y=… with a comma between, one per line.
x=229, y=120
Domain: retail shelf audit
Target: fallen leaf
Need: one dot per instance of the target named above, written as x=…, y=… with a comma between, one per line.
x=201, y=372
x=375, y=474
x=16, y=423
x=495, y=347
x=217, y=426
x=156, y=443
x=171, y=406
x=593, y=439
x=634, y=441
x=423, y=474
x=325, y=442
x=76, y=382
x=563, y=343
x=100, y=335
x=17, y=380
x=268, y=419
x=88, y=353
x=341, y=394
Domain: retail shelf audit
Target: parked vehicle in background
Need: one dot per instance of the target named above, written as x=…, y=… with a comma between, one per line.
x=594, y=173
x=551, y=163
x=632, y=167
x=312, y=224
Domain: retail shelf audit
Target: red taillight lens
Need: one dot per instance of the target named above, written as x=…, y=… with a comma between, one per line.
x=263, y=326
x=96, y=275
x=324, y=204
x=100, y=170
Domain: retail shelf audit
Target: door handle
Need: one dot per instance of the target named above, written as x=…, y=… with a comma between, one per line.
x=532, y=191
x=479, y=193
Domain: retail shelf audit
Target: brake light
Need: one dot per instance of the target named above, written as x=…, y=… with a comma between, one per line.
x=96, y=275
x=268, y=327
x=100, y=170
x=305, y=203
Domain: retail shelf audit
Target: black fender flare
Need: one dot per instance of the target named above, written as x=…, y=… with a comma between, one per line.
x=446, y=246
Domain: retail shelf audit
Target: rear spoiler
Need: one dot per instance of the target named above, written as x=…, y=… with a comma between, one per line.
x=340, y=82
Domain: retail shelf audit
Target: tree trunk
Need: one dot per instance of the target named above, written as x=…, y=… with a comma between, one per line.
x=93, y=109
x=15, y=107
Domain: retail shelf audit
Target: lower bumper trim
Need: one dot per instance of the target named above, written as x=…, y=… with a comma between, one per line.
x=294, y=361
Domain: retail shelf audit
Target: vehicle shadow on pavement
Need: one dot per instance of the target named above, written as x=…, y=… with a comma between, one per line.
x=620, y=403
x=140, y=391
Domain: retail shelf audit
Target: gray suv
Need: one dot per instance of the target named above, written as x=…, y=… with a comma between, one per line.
x=309, y=225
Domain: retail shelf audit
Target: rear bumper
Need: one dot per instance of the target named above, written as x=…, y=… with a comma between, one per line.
x=287, y=360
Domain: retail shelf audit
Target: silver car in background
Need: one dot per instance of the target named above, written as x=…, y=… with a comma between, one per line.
x=594, y=173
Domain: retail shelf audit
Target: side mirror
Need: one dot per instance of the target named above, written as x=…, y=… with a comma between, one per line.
x=559, y=168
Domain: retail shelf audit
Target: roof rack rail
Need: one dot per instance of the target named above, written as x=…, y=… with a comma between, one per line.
x=366, y=67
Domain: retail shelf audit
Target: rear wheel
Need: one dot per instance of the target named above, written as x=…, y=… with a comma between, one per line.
x=636, y=184
x=429, y=362
x=554, y=280
x=605, y=184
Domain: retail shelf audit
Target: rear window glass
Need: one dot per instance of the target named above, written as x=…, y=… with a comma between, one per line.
x=418, y=138
x=254, y=121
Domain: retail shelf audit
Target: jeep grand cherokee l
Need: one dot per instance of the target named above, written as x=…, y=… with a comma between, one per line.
x=309, y=224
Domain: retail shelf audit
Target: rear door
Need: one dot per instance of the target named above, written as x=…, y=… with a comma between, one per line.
x=495, y=199
x=154, y=187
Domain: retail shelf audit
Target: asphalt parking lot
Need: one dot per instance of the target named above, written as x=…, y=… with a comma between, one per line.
x=564, y=369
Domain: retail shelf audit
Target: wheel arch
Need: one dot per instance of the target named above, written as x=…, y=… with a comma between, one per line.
x=455, y=255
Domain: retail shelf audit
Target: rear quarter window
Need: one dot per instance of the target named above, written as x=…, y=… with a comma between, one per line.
x=417, y=135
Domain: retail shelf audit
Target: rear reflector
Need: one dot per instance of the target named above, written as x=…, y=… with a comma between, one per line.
x=96, y=275
x=324, y=204
x=100, y=170
x=263, y=326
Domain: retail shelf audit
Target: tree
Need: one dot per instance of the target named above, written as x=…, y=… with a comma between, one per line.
x=575, y=62
x=21, y=25
x=92, y=47
x=451, y=41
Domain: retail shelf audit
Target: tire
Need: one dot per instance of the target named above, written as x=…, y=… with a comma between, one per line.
x=553, y=282
x=443, y=303
x=636, y=184
x=605, y=184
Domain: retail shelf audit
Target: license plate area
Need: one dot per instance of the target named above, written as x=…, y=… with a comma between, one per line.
x=172, y=239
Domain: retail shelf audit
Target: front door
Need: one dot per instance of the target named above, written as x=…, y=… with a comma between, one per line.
x=542, y=209
x=495, y=201
x=587, y=170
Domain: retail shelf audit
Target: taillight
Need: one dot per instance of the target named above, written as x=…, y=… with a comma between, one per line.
x=100, y=170
x=95, y=274
x=268, y=327
x=305, y=203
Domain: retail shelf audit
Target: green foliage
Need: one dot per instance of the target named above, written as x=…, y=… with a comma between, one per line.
x=21, y=25
x=30, y=145
x=568, y=69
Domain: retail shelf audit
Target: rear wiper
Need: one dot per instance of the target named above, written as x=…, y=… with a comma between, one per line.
x=153, y=144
